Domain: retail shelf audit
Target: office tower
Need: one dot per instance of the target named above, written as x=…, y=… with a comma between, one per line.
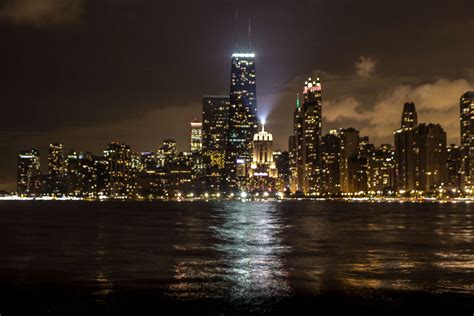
x=330, y=164
x=215, y=118
x=121, y=176
x=308, y=133
x=196, y=137
x=431, y=157
x=360, y=165
x=57, y=170
x=467, y=141
x=28, y=182
x=243, y=124
x=453, y=166
x=381, y=170
x=404, y=150
x=56, y=162
x=297, y=181
x=263, y=171
x=349, y=163
x=312, y=133
x=81, y=174
x=282, y=162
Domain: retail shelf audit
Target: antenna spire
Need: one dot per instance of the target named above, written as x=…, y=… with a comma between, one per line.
x=236, y=31
x=250, y=33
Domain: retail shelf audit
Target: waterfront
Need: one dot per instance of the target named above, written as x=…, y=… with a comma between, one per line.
x=68, y=257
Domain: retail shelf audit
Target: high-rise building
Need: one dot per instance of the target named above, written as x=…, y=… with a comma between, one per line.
x=431, y=157
x=405, y=171
x=308, y=133
x=28, y=182
x=282, y=162
x=243, y=123
x=453, y=167
x=121, y=176
x=196, y=137
x=349, y=163
x=81, y=174
x=295, y=144
x=263, y=171
x=215, y=118
x=330, y=164
x=57, y=170
x=467, y=142
x=56, y=162
x=381, y=170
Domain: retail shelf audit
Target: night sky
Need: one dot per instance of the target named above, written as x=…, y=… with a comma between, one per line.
x=85, y=73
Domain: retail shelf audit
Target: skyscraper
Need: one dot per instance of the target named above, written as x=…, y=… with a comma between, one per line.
x=28, y=182
x=404, y=151
x=467, y=141
x=381, y=170
x=215, y=125
x=57, y=170
x=348, y=160
x=308, y=133
x=243, y=123
x=263, y=171
x=56, y=161
x=121, y=180
x=295, y=144
x=454, y=167
x=431, y=157
x=330, y=164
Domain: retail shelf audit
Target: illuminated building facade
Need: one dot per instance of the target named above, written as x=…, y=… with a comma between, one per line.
x=243, y=123
x=28, y=181
x=81, y=174
x=215, y=119
x=431, y=157
x=282, y=161
x=57, y=170
x=330, y=164
x=453, y=167
x=349, y=163
x=263, y=171
x=381, y=170
x=405, y=172
x=307, y=136
x=196, y=137
x=467, y=141
x=121, y=176
x=297, y=180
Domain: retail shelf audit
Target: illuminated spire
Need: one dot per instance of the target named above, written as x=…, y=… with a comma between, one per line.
x=297, y=100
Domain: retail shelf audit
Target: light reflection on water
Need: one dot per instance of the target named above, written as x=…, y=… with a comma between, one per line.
x=247, y=250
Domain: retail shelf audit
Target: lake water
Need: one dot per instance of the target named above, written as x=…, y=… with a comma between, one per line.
x=234, y=257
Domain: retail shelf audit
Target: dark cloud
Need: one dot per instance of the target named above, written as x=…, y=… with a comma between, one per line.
x=42, y=12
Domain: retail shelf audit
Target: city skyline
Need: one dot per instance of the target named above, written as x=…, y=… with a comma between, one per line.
x=360, y=84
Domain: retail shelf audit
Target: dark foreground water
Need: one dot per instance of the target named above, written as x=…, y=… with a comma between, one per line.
x=83, y=258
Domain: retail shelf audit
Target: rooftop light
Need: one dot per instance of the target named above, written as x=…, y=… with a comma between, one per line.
x=244, y=55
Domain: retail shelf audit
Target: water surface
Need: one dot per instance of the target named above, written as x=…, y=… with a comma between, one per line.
x=233, y=257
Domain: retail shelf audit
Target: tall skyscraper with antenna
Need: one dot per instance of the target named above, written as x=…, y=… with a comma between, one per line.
x=243, y=122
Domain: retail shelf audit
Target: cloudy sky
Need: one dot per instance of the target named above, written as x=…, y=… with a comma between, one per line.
x=86, y=72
